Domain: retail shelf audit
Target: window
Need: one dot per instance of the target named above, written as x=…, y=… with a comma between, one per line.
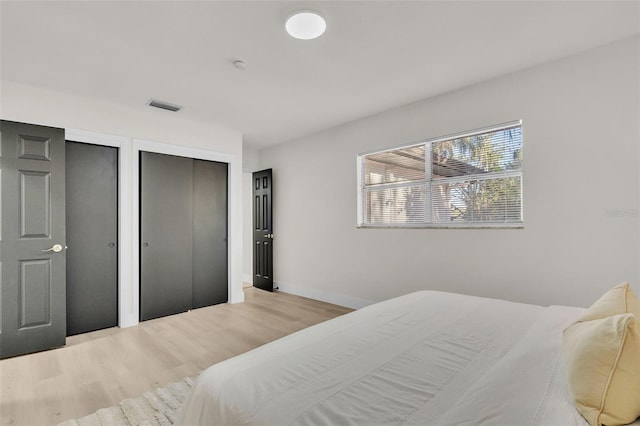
x=473, y=179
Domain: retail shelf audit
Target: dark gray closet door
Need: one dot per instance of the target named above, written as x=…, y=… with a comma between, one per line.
x=166, y=218
x=209, y=233
x=92, y=235
x=32, y=253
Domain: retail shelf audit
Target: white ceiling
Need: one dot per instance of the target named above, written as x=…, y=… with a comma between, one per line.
x=374, y=56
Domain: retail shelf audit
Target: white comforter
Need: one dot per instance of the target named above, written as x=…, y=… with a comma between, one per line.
x=427, y=358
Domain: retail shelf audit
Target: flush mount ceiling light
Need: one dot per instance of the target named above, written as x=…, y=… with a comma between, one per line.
x=305, y=25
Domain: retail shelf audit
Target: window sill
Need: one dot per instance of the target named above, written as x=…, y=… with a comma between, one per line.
x=444, y=226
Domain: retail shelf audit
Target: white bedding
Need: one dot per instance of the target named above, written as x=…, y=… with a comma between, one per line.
x=427, y=358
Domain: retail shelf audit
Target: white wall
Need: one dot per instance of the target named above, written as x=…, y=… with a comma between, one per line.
x=168, y=131
x=247, y=229
x=250, y=159
x=581, y=189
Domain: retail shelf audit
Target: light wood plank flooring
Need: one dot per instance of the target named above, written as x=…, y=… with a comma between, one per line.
x=99, y=369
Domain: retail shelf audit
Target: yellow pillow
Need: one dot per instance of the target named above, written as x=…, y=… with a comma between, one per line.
x=602, y=359
x=619, y=300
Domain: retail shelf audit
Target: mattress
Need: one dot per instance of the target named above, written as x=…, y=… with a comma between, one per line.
x=426, y=358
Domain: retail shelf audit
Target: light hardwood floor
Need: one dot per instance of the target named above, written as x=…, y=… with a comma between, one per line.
x=99, y=369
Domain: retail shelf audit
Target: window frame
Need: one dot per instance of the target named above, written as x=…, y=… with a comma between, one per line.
x=428, y=182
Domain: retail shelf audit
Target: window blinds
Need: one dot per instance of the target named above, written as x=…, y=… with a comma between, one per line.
x=470, y=179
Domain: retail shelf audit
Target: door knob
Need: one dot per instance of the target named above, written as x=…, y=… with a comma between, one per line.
x=56, y=248
x=268, y=236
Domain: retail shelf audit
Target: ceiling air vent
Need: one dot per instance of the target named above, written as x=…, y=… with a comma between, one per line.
x=164, y=105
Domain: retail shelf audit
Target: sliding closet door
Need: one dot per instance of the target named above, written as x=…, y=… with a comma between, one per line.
x=166, y=219
x=92, y=236
x=209, y=233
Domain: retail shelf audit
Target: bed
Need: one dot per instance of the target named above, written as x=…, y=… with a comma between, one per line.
x=426, y=358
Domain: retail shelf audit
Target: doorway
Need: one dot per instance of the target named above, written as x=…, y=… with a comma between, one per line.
x=263, y=229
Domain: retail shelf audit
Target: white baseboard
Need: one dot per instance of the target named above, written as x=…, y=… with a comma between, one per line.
x=247, y=278
x=128, y=322
x=238, y=298
x=324, y=296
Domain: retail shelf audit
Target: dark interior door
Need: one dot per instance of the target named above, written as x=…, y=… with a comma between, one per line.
x=262, y=230
x=166, y=237
x=32, y=254
x=210, y=284
x=92, y=235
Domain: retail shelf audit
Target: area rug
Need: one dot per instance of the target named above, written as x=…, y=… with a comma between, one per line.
x=157, y=407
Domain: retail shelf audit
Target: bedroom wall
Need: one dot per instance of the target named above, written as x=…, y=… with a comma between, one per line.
x=581, y=193
x=250, y=162
x=39, y=106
